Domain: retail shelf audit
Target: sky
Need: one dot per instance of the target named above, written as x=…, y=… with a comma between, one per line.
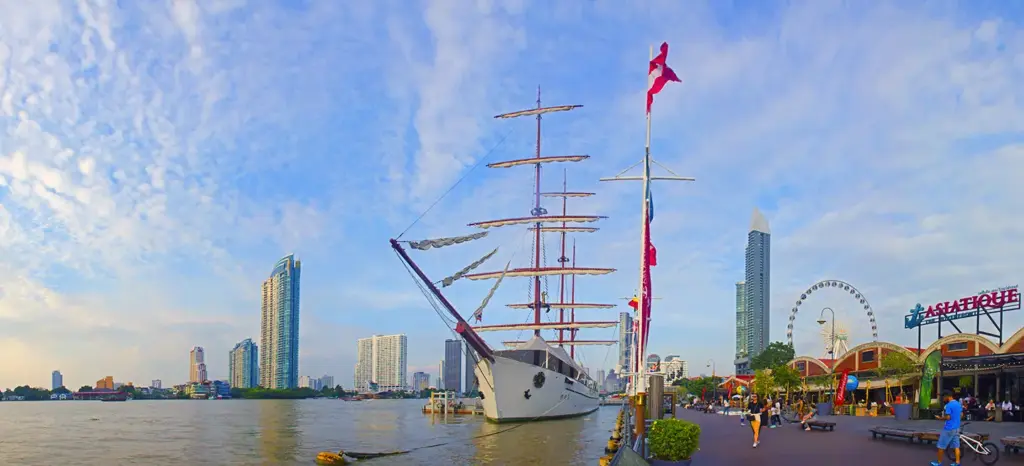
x=158, y=158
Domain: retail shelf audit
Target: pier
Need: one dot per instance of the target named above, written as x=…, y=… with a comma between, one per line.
x=449, y=403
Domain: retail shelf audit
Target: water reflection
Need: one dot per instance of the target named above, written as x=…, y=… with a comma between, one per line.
x=547, y=442
x=278, y=436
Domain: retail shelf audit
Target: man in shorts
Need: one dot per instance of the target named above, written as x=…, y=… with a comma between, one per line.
x=950, y=436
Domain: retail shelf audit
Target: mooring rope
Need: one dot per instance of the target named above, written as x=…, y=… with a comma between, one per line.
x=363, y=456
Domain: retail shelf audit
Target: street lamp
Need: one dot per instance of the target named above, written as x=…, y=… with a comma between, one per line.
x=714, y=389
x=831, y=346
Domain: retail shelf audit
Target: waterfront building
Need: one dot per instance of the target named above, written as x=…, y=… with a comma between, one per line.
x=279, y=326
x=327, y=381
x=453, y=365
x=306, y=381
x=157, y=384
x=243, y=365
x=381, y=363
x=420, y=381
x=471, y=360
x=106, y=383
x=674, y=369
x=56, y=380
x=197, y=365
x=757, y=287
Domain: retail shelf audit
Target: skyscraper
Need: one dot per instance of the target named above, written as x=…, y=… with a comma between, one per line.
x=758, y=284
x=327, y=381
x=453, y=365
x=420, y=381
x=381, y=362
x=470, y=365
x=742, y=362
x=197, y=365
x=56, y=380
x=625, y=342
x=440, y=375
x=243, y=365
x=279, y=326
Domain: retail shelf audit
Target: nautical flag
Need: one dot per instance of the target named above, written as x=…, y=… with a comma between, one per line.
x=634, y=303
x=658, y=74
x=652, y=255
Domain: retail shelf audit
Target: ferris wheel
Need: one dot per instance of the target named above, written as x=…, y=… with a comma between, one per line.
x=840, y=340
x=854, y=296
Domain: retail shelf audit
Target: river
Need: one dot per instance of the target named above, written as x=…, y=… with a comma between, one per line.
x=281, y=432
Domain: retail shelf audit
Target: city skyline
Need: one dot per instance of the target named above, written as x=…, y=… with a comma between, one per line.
x=149, y=180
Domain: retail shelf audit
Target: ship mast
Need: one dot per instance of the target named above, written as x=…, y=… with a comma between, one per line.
x=541, y=222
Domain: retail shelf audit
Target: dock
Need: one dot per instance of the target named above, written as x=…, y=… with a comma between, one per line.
x=448, y=403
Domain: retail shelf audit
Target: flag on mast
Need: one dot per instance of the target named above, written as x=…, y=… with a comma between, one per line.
x=649, y=260
x=659, y=74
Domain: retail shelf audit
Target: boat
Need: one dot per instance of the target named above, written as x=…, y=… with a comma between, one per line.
x=535, y=379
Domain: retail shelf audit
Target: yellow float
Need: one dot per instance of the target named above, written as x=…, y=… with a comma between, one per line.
x=330, y=458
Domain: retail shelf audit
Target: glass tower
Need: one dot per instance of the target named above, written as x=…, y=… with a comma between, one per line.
x=758, y=284
x=244, y=365
x=279, y=326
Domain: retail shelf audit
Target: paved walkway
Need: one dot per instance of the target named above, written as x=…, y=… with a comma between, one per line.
x=725, y=443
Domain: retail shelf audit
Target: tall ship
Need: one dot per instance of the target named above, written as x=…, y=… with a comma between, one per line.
x=533, y=379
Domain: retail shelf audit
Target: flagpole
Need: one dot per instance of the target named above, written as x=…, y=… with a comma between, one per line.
x=644, y=212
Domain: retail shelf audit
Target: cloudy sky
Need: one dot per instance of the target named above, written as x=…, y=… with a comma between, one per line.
x=157, y=159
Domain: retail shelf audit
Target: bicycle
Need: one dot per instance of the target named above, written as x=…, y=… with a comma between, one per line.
x=987, y=452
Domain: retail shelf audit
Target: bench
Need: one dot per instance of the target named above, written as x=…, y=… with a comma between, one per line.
x=829, y=426
x=932, y=436
x=883, y=432
x=1013, y=444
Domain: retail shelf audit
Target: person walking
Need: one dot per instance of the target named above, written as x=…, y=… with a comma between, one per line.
x=776, y=411
x=950, y=436
x=755, y=409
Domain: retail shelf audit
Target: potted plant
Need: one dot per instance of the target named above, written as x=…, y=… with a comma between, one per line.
x=673, y=442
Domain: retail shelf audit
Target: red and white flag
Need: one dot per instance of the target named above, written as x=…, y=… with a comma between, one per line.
x=659, y=74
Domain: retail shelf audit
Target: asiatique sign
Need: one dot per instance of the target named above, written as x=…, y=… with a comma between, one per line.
x=1005, y=298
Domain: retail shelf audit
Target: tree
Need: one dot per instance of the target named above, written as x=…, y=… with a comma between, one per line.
x=776, y=354
x=764, y=382
x=786, y=377
x=85, y=388
x=61, y=390
x=897, y=365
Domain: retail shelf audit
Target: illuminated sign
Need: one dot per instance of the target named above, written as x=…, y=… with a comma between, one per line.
x=1006, y=298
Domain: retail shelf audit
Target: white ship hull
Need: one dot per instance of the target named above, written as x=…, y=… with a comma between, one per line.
x=510, y=393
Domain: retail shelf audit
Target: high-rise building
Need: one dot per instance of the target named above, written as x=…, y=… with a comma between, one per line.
x=197, y=365
x=440, y=376
x=600, y=377
x=327, y=381
x=471, y=361
x=56, y=380
x=742, y=362
x=310, y=382
x=453, y=365
x=279, y=326
x=758, y=284
x=381, y=362
x=625, y=342
x=105, y=383
x=420, y=381
x=244, y=365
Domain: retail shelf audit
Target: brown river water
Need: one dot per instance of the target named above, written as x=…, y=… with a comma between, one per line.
x=281, y=432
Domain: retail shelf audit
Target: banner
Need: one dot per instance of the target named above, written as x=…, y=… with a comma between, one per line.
x=931, y=367
x=841, y=389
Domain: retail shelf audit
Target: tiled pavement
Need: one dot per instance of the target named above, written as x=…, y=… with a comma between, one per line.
x=725, y=443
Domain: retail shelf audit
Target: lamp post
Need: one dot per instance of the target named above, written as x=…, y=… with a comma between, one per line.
x=714, y=384
x=831, y=346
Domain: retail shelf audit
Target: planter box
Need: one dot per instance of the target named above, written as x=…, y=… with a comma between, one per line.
x=902, y=412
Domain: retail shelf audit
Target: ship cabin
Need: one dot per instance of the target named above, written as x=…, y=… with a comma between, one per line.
x=538, y=352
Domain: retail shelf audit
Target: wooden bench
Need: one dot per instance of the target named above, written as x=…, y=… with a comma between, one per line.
x=883, y=432
x=1013, y=444
x=932, y=436
x=829, y=426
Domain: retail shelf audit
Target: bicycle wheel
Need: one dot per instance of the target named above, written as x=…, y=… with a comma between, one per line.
x=989, y=453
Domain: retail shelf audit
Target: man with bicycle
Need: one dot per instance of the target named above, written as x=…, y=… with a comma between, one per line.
x=950, y=436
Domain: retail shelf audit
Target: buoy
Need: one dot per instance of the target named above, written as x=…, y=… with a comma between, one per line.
x=605, y=460
x=615, y=435
x=330, y=458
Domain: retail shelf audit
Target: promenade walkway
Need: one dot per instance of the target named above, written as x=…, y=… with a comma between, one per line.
x=725, y=443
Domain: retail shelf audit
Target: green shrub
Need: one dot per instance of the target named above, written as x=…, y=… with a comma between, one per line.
x=673, y=439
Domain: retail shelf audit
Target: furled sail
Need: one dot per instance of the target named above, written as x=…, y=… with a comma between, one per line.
x=442, y=242
x=479, y=313
x=469, y=268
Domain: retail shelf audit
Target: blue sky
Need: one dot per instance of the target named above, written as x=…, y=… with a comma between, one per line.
x=157, y=159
